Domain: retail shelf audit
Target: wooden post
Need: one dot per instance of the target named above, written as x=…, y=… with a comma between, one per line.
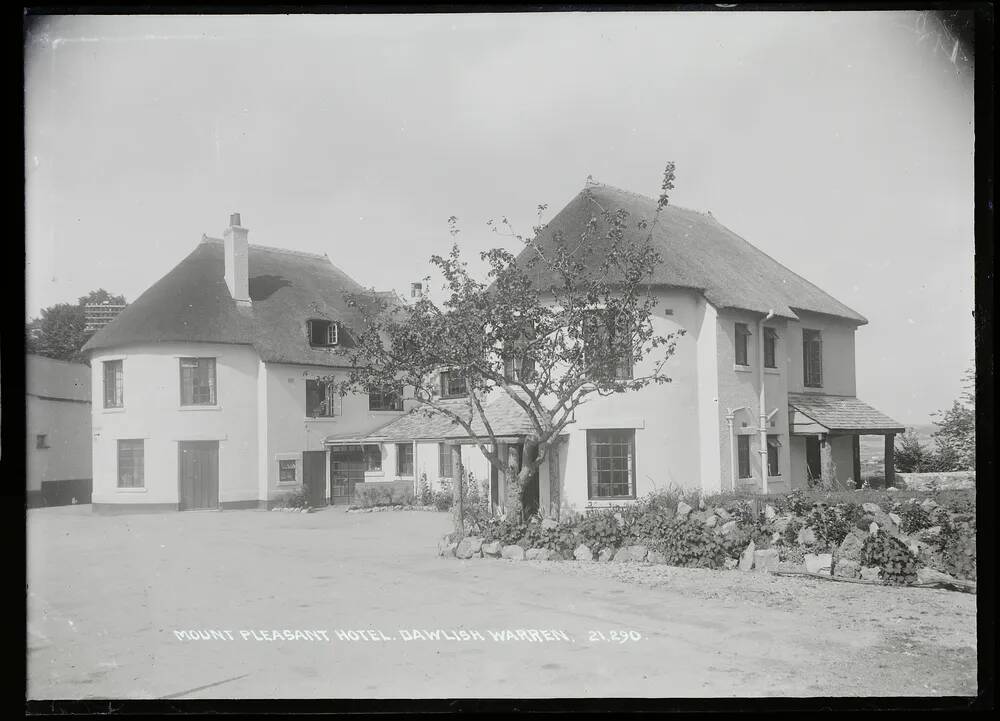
x=856, y=448
x=555, y=482
x=513, y=501
x=827, y=469
x=890, y=459
x=458, y=492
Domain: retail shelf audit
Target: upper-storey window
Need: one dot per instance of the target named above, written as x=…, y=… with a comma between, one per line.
x=198, y=382
x=607, y=345
x=321, y=399
x=742, y=344
x=812, y=358
x=386, y=399
x=113, y=384
x=453, y=385
x=770, y=348
x=323, y=333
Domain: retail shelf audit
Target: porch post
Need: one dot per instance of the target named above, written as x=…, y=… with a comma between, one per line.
x=555, y=483
x=513, y=487
x=827, y=470
x=458, y=492
x=856, y=449
x=890, y=459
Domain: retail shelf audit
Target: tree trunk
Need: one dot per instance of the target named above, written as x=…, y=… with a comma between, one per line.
x=555, y=482
x=512, y=481
x=828, y=471
x=458, y=493
x=889, y=462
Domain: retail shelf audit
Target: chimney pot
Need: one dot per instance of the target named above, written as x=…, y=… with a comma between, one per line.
x=234, y=220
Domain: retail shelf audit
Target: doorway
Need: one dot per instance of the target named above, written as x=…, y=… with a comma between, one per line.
x=347, y=467
x=813, y=468
x=198, y=464
x=314, y=477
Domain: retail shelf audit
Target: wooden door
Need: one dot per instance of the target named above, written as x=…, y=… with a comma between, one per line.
x=314, y=477
x=347, y=467
x=199, y=474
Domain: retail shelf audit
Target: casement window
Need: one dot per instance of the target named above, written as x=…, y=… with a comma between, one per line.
x=322, y=399
x=388, y=399
x=287, y=471
x=114, y=386
x=42, y=440
x=519, y=369
x=131, y=464
x=453, y=385
x=773, y=445
x=373, y=458
x=404, y=459
x=445, y=466
x=323, y=333
x=743, y=456
x=742, y=344
x=607, y=345
x=770, y=348
x=198, y=382
x=611, y=463
x=812, y=358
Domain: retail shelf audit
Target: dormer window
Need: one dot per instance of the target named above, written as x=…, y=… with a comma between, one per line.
x=323, y=333
x=453, y=385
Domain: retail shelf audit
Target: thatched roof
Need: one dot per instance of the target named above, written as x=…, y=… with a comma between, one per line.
x=192, y=303
x=698, y=253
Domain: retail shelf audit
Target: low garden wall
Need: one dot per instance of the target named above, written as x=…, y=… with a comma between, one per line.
x=890, y=537
x=961, y=480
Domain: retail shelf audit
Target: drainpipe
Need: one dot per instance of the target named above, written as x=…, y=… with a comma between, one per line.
x=730, y=417
x=763, y=406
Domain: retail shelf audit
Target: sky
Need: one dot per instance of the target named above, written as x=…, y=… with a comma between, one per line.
x=839, y=143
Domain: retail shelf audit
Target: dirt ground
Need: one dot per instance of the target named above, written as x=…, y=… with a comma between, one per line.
x=108, y=597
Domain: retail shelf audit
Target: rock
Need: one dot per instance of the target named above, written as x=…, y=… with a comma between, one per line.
x=873, y=508
x=872, y=528
x=723, y=513
x=892, y=489
x=447, y=550
x=621, y=555
x=538, y=554
x=727, y=528
x=469, y=547
x=583, y=553
x=895, y=519
x=491, y=549
x=819, y=562
x=850, y=547
x=711, y=521
x=806, y=537
x=549, y=523
x=730, y=563
x=846, y=568
x=746, y=558
x=929, y=575
x=683, y=509
x=780, y=524
x=928, y=534
x=775, y=537
x=515, y=553
x=637, y=553
x=769, y=513
x=701, y=504
x=766, y=560
x=929, y=504
x=656, y=557
x=606, y=554
x=870, y=573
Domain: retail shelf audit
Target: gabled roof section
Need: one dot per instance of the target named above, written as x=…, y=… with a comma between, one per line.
x=698, y=253
x=842, y=413
x=192, y=303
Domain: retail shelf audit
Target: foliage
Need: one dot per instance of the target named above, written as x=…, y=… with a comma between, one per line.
x=955, y=437
x=829, y=525
x=371, y=495
x=504, y=333
x=562, y=538
x=914, y=518
x=293, y=499
x=957, y=544
x=899, y=566
x=59, y=331
x=506, y=530
x=689, y=542
x=795, y=502
x=599, y=531
x=443, y=499
x=910, y=454
x=425, y=496
x=790, y=536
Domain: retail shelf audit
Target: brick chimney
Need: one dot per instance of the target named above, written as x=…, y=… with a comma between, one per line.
x=237, y=261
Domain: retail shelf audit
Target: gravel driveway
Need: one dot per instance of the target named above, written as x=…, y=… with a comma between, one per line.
x=333, y=605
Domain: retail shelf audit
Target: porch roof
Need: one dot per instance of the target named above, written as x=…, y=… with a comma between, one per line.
x=846, y=414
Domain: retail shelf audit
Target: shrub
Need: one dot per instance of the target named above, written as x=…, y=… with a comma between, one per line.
x=957, y=543
x=600, y=530
x=790, y=536
x=829, y=525
x=425, y=495
x=914, y=518
x=507, y=531
x=293, y=499
x=689, y=543
x=899, y=566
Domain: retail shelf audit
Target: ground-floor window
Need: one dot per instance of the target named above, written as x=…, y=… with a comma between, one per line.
x=404, y=459
x=611, y=463
x=445, y=469
x=286, y=471
x=373, y=458
x=773, y=444
x=131, y=464
x=743, y=455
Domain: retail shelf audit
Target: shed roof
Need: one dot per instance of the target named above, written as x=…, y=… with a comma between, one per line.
x=698, y=252
x=842, y=413
x=56, y=379
x=192, y=303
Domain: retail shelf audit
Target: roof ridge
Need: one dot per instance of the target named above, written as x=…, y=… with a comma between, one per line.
x=626, y=191
x=209, y=239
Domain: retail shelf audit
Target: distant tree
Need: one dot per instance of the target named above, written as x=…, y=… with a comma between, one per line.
x=911, y=455
x=59, y=331
x=955, y=437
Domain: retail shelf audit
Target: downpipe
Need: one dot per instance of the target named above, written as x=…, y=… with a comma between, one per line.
x=730, y=418
x=763, y=418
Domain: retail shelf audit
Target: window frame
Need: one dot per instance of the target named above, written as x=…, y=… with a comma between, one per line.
x=400, y=470
x=592, y=482
x=743, y=439
x=446, y=378
x=332, y=334
x=213, y=384
x=383, y=394
x=141, y=442
x=372, y=451
x=773, y=454
x=741, y=344
x=295, y=471
x=444, y=459
x=624, y=365
x=770, y=348
x=812, y=363
x=119, y=382
x=42, y=441
x=329, y=399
